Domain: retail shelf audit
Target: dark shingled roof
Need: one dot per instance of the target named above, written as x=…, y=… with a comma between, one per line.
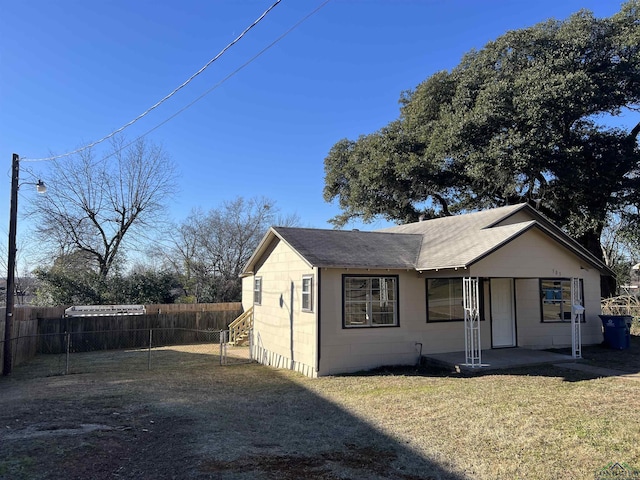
x=441, y=243
x=353, y=249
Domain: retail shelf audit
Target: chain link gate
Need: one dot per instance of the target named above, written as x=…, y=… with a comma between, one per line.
x=224, y=342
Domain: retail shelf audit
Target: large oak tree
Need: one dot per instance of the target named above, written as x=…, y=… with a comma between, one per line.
x=533, y=116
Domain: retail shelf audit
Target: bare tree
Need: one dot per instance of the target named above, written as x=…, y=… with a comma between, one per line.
x=181, y=255
x=92, y=204
x=210, y=249
x=619, y=247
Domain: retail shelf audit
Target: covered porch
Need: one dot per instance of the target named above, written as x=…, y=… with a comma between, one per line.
x=534, y=311
x=495, y=359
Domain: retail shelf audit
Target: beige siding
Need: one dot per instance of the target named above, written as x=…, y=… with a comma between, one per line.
x=518, y=217
x=528, y=258
x=532, y=254
x=354, y=349
x=284, y=335
x=247, y=293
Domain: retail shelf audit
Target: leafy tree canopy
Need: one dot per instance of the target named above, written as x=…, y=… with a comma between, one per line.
x=526, y=118
x=69, y=281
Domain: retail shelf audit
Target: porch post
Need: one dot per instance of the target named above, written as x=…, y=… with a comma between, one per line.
x=471, y=303
x=577, y=312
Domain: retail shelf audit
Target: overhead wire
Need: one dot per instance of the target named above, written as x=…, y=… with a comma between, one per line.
x=165, y=98
x=218, y=84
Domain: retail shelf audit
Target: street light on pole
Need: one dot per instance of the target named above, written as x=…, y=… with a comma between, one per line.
x=11, y=260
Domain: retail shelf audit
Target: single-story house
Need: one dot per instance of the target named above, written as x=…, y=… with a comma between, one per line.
x=335, y=301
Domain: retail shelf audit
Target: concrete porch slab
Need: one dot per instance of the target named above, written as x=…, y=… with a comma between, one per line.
x=495, y=359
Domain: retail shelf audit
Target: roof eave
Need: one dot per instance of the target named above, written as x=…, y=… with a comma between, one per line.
x=368, y=267
x=443, y=267
x=484, y=254
x=560, y=237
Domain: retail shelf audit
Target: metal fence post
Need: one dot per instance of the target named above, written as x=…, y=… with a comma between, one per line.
x=223, y=346
x=68, y=348
x=149, y=354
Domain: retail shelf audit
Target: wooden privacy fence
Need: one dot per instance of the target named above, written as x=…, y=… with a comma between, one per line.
x=23, y=326
x=42, y=330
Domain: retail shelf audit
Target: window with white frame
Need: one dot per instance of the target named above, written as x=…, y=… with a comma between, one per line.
x=257, y=291
x=307, y=293
x=556, y=299
x=370, y=301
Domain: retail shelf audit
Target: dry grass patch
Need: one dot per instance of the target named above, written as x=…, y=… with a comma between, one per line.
x=511, y=425
x=194, y=419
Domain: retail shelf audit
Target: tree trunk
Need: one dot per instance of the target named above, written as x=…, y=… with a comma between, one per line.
x=591, y=241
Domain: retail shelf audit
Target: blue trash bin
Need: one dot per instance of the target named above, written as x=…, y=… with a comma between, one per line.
x=616, y=329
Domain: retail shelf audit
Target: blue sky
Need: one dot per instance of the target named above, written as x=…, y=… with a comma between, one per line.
x=72, y=71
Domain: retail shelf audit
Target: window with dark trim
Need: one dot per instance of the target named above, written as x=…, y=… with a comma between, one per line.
x=257, y=291
x=444, y=300
x=555, y=294
x=370, y=301
x=307, y=293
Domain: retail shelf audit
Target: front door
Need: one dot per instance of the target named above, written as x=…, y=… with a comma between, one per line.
x=503, y=318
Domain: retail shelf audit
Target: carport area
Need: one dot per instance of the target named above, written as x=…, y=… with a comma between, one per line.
x=495, y=359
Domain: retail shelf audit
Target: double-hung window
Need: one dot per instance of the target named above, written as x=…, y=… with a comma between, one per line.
x=307, y=293
x=370, y=301
x=257, y=291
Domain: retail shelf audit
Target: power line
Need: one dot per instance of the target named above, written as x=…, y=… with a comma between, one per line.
x=167, y=97
x=214, y=87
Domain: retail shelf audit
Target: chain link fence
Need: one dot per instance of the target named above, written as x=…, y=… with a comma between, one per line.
x=135, y=349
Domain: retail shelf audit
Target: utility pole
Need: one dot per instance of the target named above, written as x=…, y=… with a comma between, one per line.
x=11, y=266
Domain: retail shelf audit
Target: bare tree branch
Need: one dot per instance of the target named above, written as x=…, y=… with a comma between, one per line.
x=209, y=249
x=93, y=205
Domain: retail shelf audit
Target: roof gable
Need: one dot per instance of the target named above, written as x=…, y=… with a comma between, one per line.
x=466, y=247
x=447, y=242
